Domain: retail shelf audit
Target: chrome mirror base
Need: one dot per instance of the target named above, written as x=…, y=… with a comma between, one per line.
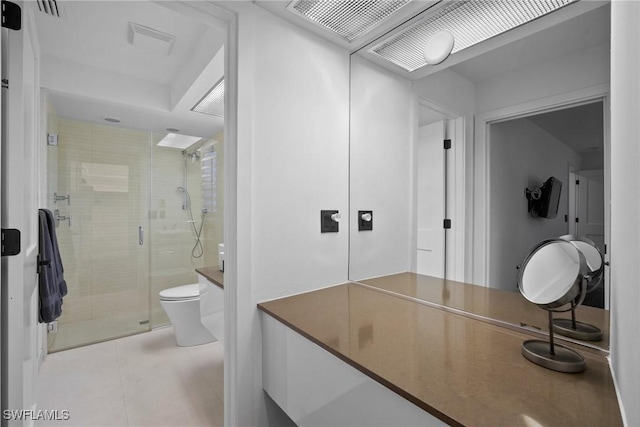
x=581, y=331
x=562, y=359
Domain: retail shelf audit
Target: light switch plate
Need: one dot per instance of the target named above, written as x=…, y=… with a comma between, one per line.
x=328, y=225
x=365, y=225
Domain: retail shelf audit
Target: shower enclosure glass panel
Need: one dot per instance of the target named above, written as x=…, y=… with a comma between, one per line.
x=135, y=219
x=104, y=172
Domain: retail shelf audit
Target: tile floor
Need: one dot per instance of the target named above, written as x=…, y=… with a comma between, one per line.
x=142, y=380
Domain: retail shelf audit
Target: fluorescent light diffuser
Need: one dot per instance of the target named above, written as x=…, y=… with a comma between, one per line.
x=470, y=22
x=348, y=19
x=176, y=140
x=213, y=101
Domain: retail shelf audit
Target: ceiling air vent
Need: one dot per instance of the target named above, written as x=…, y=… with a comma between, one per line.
x=150, y=39
x=348, y=19
x=50, y=8
x=470, y=22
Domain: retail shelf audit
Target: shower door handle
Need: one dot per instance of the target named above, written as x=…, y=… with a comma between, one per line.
x=141, y=235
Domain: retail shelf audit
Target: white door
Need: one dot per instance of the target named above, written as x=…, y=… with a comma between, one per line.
x=430, y=200
x=20, y=211
x=590, y=222
x=590, y=206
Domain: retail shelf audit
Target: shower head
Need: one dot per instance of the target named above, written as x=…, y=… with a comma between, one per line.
x=187, y=198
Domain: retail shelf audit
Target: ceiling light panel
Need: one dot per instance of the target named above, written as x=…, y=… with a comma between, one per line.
x=176, y=140
x=213, y=101
x=348, y=19
x=470, y=22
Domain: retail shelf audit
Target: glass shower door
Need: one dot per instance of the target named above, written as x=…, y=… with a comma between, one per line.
x=101, y=195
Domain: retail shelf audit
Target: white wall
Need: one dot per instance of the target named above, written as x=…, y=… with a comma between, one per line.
x=383, y=120
x=292, y=160
x=582, y=69
x=625, y=205
x=522, y=155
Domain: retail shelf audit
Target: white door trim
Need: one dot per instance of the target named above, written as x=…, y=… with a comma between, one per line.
x=481, y=203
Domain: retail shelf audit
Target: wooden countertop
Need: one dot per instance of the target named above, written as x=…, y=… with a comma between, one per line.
x=213, y=274
x=461, y=370
x=487, y=303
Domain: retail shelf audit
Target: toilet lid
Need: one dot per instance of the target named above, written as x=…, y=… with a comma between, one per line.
x=181, y=292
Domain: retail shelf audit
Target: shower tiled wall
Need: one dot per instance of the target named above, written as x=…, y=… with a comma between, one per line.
x=172, y=238
x=119, y=180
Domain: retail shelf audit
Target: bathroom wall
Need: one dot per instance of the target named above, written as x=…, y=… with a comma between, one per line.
x=292, y=158
x=522, y=155
x=582, y=69
x=383, y=124
x=625, y=205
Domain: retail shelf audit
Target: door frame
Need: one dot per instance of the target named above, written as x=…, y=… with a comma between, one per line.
x=480, y=217
x=229, y=21
x=21, y=352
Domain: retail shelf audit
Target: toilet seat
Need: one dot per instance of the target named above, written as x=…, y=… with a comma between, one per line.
x=183, y=293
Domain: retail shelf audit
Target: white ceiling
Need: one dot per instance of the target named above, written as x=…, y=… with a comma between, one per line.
x=581, y=32
x=581, y=127
x=93, y=72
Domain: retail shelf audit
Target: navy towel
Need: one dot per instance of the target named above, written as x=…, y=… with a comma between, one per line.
x=51, y=273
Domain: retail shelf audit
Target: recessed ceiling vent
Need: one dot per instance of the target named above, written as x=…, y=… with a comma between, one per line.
x=348, y=19
x=150, y=39
x=51, y=8
x=470, y=22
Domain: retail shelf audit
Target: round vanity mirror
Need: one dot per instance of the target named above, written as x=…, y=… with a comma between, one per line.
x=593, y=273
x=593, y=258
x=551, y=276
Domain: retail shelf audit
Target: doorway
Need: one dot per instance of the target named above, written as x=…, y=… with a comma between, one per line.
x=132, y=213
x=567, y=143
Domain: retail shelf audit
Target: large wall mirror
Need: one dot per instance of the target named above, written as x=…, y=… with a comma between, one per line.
x=441, y=159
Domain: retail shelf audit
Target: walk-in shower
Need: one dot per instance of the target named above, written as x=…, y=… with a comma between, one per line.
x=120, y=182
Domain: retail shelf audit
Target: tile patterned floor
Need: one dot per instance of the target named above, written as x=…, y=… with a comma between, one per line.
x=142, y=380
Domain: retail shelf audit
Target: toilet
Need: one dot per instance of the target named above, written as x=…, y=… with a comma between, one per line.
x=190, y=308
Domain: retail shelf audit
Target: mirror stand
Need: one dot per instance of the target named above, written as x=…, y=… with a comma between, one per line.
x=574, y=329
x=553, y=356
